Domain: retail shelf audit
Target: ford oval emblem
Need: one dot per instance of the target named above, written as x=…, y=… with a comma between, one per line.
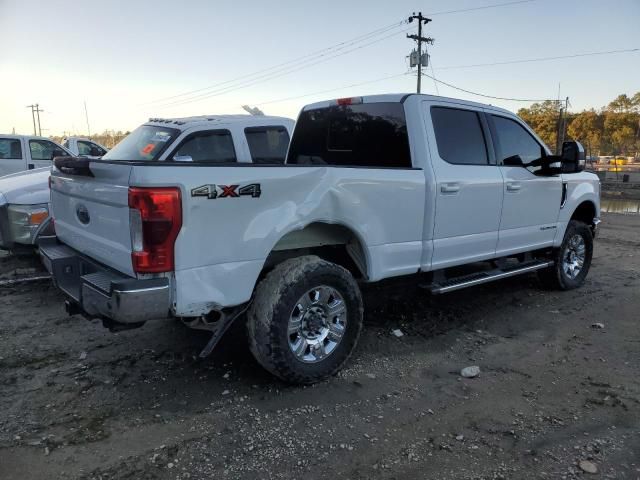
x=83, y=214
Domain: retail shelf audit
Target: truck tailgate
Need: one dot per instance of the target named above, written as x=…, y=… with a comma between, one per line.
x=92, y=213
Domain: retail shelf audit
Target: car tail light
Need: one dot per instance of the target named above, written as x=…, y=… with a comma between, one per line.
x=349, y=101
x=155, y=221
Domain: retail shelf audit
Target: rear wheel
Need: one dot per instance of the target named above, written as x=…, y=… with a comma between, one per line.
x=571, y=261
x=305, y=319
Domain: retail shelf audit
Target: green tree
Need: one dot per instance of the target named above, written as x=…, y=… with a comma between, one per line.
x=620, y=130
x=587, y=127
x=543, y=118
x=621, y=104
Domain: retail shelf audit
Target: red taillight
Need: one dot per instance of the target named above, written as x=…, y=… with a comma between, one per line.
x=158, y=218
x=349, y=101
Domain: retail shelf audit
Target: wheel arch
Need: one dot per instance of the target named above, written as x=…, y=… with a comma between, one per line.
x=585, y=212
x=334, y=242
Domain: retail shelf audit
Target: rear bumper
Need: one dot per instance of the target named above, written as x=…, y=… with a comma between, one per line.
x=99, y=292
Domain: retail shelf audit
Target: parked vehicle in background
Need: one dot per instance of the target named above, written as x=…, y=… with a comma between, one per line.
x=24, y=152
x=24, y=209
x=84, y=147
x=373, y=187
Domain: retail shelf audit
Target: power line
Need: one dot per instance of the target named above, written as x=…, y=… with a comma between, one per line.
x=435, y=84
x=489, y=96
x=484, y=7
x=273, y=75
x=319, y=53
x=541, y=59
x=333, y=89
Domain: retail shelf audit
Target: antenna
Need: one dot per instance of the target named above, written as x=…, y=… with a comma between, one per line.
x=86, y=116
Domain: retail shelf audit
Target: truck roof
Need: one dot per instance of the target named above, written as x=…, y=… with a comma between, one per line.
x=401, y=97
x=190, y=122
x=30, y=137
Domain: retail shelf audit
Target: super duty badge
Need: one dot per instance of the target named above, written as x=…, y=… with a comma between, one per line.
x=223, y=191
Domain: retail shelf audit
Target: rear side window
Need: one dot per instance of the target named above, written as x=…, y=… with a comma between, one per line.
x=459, y=136
x=145, y=143
x=10, y=148
x=267, y=144
x=514, y=140
x=365, y=135
x=211, y=146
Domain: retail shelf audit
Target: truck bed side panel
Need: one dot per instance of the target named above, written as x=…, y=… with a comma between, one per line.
x=382, y=207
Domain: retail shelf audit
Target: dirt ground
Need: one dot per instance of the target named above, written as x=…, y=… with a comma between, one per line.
x=77, y=401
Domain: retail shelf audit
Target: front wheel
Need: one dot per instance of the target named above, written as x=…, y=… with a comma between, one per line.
x=305, y=319
x=571, y=261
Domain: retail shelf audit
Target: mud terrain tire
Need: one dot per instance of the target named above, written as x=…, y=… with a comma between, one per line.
x=556, y=277
x=276, y=302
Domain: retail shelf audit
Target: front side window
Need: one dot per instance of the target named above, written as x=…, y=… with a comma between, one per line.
x=84, y=148
x=459, y=136
x=145, y=143
x=513, y=139
x=42, y=149
x=10, y=148
x=267, y=144
x=90, y=149
x=364, y=135
x=211, y=146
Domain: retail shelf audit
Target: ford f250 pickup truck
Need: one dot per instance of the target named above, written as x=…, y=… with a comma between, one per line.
x=372, y=187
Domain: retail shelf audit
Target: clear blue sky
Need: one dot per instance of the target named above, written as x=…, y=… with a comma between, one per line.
x=119, y=55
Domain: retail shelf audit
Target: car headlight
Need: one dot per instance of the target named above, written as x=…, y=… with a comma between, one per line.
x=24, y=220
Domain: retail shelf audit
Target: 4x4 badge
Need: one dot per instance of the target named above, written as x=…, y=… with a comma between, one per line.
x=227, y=191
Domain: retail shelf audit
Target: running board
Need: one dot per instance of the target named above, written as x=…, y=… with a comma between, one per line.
x=479, y=278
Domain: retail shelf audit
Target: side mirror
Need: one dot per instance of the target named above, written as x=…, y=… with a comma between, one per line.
x=58, y=152
x=513, y=161
x=573, y=157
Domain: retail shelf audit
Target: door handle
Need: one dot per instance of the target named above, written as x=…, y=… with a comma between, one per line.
x=513, y=186
x=450, y=187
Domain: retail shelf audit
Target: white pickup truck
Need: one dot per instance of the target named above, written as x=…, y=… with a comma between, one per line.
x=25, y=152
x=84, y=147
x=373, y=187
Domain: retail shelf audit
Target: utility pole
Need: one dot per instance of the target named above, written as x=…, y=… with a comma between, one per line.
x=421, y=61
x=562, y=125
x=38, y=115
x=33, y=117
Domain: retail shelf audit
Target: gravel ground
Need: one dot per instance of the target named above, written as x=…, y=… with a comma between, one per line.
x=556, y=396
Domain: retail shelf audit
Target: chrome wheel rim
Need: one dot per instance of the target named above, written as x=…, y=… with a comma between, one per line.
x=317, y=324
x=573, y=257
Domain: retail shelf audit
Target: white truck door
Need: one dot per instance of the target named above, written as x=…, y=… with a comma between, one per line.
x=42, y=152
x=12, y=156
x=469, y=185
x=531, y=202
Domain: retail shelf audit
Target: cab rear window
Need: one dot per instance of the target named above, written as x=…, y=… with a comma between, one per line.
x=145, y=143
x=370, y=135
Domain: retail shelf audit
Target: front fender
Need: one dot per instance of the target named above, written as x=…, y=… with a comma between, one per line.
x=581, y=187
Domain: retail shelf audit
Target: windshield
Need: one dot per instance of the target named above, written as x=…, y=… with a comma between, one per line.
x=145, y=143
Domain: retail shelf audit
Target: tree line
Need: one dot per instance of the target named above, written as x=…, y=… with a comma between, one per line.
x=611, y=130
x=108, y=138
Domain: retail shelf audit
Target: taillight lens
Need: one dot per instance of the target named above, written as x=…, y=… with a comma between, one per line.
x=155, y=221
